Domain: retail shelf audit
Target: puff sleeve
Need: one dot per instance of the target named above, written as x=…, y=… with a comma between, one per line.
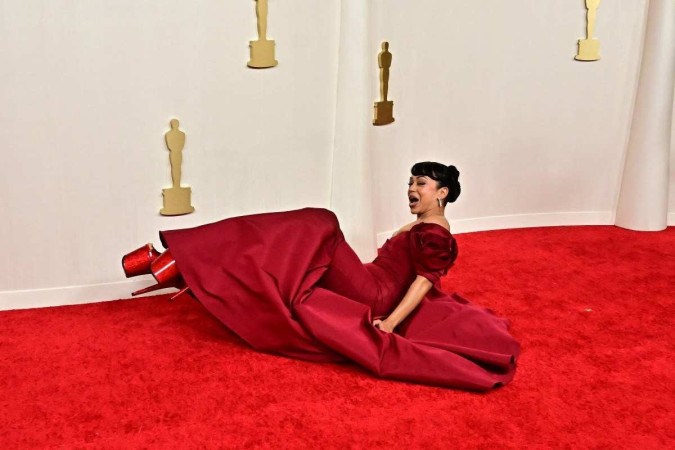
x=433, y=250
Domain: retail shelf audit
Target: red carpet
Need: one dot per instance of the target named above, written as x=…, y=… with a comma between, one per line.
x=592, y=306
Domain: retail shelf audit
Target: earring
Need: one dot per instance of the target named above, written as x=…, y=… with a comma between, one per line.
x=440, y=205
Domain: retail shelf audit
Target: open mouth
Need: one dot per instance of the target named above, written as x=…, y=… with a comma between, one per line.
x=412, y=200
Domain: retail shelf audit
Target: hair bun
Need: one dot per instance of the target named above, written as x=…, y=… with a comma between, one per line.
x=453, y=173
x=453, y=184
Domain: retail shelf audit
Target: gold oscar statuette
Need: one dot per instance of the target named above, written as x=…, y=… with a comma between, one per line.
x=176, y=198
x=384, y=109
x=589, y=48
x=262, y=50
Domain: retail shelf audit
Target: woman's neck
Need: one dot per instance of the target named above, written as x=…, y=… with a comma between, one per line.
x=428, y=214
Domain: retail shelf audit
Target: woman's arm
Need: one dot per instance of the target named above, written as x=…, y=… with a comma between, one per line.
x=412, y=298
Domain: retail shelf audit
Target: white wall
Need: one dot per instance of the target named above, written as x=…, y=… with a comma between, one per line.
x=87, y=91
x=671, y=196
x=493, y=88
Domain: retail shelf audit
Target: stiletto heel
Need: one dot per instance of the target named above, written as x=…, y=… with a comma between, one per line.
x=154, y=287
x=139, y=261
x=177, y=283
x=179, y=293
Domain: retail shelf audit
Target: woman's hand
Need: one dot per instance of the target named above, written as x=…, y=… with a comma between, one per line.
x=383, y=325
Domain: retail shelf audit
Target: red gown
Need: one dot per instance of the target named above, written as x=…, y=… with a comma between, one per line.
x=288, y=283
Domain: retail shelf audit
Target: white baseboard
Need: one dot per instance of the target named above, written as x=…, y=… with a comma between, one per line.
x=532, y=220
x=671, y=219
x=522, y=221
x=71, y=295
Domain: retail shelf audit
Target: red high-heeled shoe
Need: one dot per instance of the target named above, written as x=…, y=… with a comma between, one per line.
x=138, y=262
x=164, y=269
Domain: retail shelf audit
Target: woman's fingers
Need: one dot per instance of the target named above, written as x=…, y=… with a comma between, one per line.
x=380, y=325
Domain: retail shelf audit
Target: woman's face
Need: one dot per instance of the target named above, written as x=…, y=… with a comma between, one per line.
x=423, y=195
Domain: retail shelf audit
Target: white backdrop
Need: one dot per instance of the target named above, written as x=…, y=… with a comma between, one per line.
x=88, y=88
x=671, y=197
x=643, y=197
x=493, y=88
x=87, y=91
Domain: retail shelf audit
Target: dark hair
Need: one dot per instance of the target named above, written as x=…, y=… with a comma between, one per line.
x=445, y=176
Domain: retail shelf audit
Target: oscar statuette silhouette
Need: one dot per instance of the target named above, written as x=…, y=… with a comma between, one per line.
x=589, y=48
x=176, y=198
x=262, y=50
x=384, y=109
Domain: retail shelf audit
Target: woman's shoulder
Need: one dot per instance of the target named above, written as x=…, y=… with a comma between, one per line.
x=437, y=220
x=432, y=225
x=404, y=228
x=421, y=224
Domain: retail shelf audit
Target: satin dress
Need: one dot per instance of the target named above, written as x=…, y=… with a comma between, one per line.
x=288, y=283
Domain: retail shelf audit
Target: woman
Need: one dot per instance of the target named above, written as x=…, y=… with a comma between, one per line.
x=288, y=283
